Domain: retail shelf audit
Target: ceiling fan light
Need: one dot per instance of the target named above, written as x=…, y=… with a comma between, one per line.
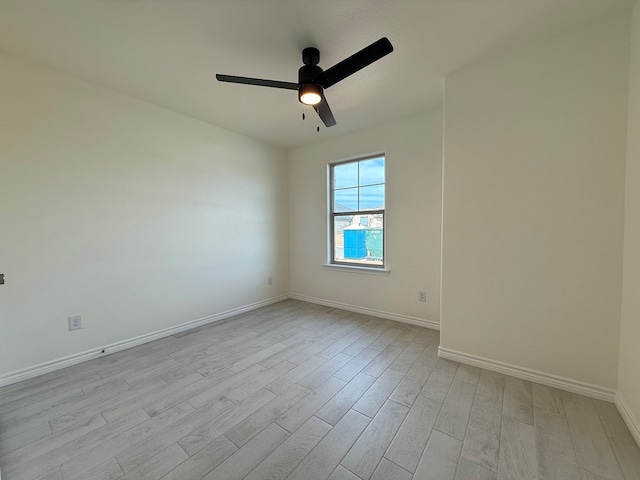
x=310, y=94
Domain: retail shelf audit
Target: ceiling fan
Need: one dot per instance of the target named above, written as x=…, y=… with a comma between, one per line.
x=312, y=80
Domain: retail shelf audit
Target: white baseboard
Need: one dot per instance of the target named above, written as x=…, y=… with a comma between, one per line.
x=629, y=418
x=369, y=311
x=575, y=386
x=74, y=359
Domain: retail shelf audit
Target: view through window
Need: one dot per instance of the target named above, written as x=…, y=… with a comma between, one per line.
x=357, y=212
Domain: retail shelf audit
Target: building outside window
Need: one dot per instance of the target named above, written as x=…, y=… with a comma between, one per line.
x=357, y=209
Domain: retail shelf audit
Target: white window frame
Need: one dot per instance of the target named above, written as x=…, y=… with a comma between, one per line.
x=343, y=264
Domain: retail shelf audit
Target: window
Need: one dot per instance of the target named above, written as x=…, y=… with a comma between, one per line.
x=357, y=212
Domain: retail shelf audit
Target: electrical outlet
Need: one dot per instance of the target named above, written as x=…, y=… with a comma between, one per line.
x=422, y=296
x=75, y=322
x=269, y=280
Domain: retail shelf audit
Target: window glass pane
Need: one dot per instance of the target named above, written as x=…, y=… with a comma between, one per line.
x=345, y=200
x=359, y=239
x=340, y=222
x=372, y=171
x=372, y=198
x=345, y=175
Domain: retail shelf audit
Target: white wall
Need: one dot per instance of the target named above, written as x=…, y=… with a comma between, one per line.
x=533, y=205
x=136, y=217
x=413, y=148
x=629, y=363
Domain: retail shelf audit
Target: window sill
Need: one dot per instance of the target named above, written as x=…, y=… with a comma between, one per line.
x=356, y=269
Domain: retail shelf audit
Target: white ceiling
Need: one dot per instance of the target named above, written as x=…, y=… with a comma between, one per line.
x=167, y=51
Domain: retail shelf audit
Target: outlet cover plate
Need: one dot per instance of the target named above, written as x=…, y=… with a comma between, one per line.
x=75, y=322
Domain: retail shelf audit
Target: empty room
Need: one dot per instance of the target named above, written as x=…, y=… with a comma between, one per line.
x=315, y=240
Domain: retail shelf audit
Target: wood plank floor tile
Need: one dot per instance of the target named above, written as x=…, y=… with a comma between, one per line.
x=556, y=455
x=387, y=337
x=373, y=399
x=291, y=452
x=518, y=400
x=283, y=355
x=160, y=464
x=408, y=357
x=491, y=384
x=593, y=449
x=468, y=374
x=141, y=452
x=246, y=429
x=221, y=388
x=124, y=405
x=216, y=421
x=455, y=411
x=548, y=398
x=238, y=465
x=624, y=446
x=37, y=385
x=29, y=452
x=63, y=452
x=259, y=381
x=99, y=405
x=24, y=439
x=47, y=391
x=468, y=470
x=173, y=397
x=321, y=374
x=411, y=385
x=409, y=443
x=107, y=470
x=334, y=409
x=325, y=457
x=339, y=345
x=381, y=361
x=297, y=415
x=341, y=473
x=387, y=470
x=287, y=380
x=257, y=357
x=518, y=455
x=111, y=447
x=482, y=441
x=355, y=348
x=440, y=458
x=364, y=456
x=356, y=364
x=202, y=462
x=437, y=386
x=586, y=475
x=55, y=474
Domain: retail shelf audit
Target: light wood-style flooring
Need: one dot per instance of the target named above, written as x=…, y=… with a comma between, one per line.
x=303, y=392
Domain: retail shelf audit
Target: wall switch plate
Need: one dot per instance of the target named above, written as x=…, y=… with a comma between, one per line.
x=269, y=280
x=75, y=322
x=422, y=296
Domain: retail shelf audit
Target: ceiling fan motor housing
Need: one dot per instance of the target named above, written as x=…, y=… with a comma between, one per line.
x=307, y=73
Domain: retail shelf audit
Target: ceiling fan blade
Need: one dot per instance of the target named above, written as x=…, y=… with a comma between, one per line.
x=324, y=112
x=355, y=62
x=257, y=81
